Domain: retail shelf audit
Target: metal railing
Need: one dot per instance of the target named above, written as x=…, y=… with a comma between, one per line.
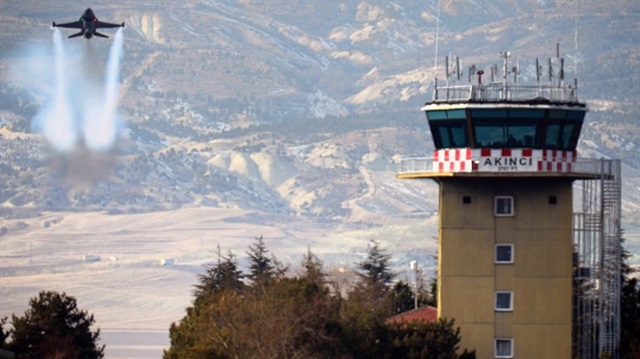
x=496, y=92
x=416, y=165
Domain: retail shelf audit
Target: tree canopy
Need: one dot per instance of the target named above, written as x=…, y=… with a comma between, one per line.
x=54, y=327
x=630, y=310
x=275, y=316
x=225, y=275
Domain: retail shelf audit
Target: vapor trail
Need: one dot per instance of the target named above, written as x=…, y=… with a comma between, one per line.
x=100, y=131
x=57, y=122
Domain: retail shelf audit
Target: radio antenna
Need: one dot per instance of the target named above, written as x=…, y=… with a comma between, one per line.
x=435, y=60
x=575, y=41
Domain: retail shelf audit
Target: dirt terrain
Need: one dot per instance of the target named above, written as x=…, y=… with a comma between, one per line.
x=133, y=296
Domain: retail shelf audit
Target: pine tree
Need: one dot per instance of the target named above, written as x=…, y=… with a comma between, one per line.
x=225, y=275
x=375, y=274
x=312, y=266
x=262, y=270
x=53, y=327
x=402, y=297
x=630, y=310
x=4, y=334
x=298, y=318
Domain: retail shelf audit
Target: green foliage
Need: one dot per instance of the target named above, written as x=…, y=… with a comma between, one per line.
x=313, y=271
x=375, y=276
x=263, y=270
x=431, y=298
x=630, y=311
x=4, y=335
x=278, y=317
x=54, y=327
x=437, y=340
x=289, y=317
x=362, y=328
x=375, y=269
x=225, y=275
x=402, y=297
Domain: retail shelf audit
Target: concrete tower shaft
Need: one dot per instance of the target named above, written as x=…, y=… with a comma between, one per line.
x=522, y=275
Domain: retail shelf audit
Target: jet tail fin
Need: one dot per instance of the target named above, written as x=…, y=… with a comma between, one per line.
x=99, y=34
x=76, y=34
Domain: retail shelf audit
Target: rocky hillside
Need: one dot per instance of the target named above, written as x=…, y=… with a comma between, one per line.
x=297, y=108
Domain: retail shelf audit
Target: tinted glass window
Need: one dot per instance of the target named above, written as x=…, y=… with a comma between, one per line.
x=503, y=301
x=563, y=135
x=511, y=134
x=504, y=253
x=521, y=135
x=504, y=348
x=504, y=206
x=449, y=133
x=436, y=115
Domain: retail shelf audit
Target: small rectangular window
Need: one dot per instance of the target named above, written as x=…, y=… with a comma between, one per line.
x=504, y=206
x=504, y=253
x=504, y=301
x=503, y=348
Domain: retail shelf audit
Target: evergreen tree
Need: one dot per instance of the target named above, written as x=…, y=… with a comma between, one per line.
x=312, y=266
x=4, y=334
x=54, y=327
x=431, y=297
x=299, y=318
x=262, y=270
x=375, y=275
x=375, y=269
x=225, y=275
x=439, y=340
x=402, y=297
x=630, y=311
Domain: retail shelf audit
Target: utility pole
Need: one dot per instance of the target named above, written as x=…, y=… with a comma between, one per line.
x=414, y=267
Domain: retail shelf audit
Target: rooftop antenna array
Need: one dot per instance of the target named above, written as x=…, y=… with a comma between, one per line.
x=503, y=81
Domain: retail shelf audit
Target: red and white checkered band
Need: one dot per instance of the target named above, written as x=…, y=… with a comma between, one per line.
x=453, y=160
x=529, y=160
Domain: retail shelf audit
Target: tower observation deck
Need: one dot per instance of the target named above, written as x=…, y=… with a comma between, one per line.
x=529, y=232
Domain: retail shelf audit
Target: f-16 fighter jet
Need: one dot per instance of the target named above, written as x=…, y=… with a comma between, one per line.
x=88, y=24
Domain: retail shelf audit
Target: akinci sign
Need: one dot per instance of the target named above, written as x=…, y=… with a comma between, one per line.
x=515, y=159
x=502, y=160
x=507, y=164
x=507, y=160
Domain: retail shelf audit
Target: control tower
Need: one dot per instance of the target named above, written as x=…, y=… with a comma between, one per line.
x=529, y=232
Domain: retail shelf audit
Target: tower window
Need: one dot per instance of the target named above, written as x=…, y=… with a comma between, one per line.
x=504, y=301
x=466, y=199
x=504, y=253
x=553, y=199
x=503, y=348
x=504, y=206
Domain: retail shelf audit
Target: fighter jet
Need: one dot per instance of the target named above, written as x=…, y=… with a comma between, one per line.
x=88, y=24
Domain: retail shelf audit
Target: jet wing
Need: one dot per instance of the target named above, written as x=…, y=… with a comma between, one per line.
x=70, y=25
x=100, y=24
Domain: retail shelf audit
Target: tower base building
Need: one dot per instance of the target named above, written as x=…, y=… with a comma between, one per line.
x=527, y=264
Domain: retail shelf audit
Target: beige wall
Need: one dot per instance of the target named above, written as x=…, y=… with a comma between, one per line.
x=540, y=277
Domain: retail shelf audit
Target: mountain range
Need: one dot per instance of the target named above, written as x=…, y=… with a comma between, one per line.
x=296, y=108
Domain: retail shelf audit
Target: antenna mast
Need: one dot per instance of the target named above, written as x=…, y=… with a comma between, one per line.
x=435, y=60
x=575, y=40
